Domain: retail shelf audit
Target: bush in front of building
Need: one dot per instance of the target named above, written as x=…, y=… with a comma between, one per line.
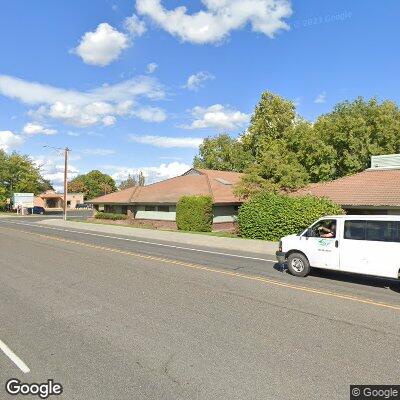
x=194, y=213
x=270, y=216
x=110, y=216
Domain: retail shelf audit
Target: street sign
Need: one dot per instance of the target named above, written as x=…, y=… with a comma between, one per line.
x=23, y=200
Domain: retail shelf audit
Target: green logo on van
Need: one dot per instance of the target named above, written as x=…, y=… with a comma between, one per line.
x=324, y=242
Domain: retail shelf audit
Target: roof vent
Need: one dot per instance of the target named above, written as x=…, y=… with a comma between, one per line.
x=390, y=161
x=223, y=181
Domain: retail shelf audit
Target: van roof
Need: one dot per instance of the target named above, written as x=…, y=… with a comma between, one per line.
x=366, y=217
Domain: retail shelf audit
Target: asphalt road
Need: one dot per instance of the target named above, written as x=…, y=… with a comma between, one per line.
x=115, y=319
x=72, y=214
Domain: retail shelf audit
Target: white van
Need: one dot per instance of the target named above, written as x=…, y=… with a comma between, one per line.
x=363, y=244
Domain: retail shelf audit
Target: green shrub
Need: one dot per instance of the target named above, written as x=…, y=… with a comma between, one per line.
x=195, y=213
x=111, y=216
x=270, y=216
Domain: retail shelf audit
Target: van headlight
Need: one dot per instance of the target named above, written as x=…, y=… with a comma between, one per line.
x=280, y=246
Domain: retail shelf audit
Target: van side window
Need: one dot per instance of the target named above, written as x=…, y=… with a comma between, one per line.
x=382, y=231
x=354, y=230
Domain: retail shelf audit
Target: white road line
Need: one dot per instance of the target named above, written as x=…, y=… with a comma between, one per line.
x=14, y=358
x=143, y=242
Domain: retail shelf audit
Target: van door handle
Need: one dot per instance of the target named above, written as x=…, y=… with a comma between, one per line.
x=336, y=243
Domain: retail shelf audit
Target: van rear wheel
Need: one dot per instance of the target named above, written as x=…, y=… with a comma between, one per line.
x=298, y=264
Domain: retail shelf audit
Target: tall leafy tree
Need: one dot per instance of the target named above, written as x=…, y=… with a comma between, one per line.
x=18, y=173
x=285, y=152
x=272, y=116
x=358, y=129
x=93, y=184
x=223, y=153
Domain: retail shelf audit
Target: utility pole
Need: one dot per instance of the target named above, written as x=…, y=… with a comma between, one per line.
x=66, y=150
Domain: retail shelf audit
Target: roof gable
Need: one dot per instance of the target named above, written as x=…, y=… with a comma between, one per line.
x=218, y=184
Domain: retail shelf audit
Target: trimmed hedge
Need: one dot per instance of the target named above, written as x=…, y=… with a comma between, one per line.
x=111, y=216
x=271, y=216
x=194, y=213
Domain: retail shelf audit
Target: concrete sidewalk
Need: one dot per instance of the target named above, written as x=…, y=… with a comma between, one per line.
x=188, y=239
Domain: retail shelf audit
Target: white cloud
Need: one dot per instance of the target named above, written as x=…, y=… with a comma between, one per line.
x=168, y=142
x=134, y=26
x=101, y=105
x=218, y=18
x=196, y=81
x=52, y=168
x=218, y=117
x=152, y=174
x=109, y=120
x=151, y=114
x=32, y=128
x=99, y=152
x=321, y=98
x=151, y=68
x=102, y=46
x=9, y=140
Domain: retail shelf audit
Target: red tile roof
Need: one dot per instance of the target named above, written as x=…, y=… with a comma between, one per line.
x=368, y=188
x=217, y=184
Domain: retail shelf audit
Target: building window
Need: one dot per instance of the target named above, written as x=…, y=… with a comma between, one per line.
x=163, y=208
x=109, y=209
x=149, y=208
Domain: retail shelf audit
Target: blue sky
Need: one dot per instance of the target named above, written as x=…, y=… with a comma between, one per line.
x=136, y=85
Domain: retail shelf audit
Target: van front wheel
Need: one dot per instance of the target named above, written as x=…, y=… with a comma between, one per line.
x=298, y=264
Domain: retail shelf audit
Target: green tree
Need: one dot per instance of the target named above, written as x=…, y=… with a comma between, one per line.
x=3, y=198
x=278, y=164
x=305, y=145
x=356, y=130
x=282, y=151
x=18, y=173
x=93, y=184
x=223, y=153
x=272, y=116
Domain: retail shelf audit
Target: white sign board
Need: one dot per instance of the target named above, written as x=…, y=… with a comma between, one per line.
x=23, y=200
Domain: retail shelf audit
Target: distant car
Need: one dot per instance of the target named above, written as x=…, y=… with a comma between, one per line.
x=36, y=210
x=84, y=205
